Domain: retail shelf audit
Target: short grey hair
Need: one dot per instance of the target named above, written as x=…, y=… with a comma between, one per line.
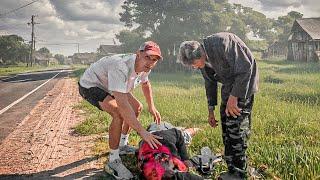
x=189, y=51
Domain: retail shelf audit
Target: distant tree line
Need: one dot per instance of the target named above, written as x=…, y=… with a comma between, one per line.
x=14, y=50
x=169, y=22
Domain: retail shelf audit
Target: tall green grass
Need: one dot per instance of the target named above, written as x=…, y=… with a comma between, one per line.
x=286, y=117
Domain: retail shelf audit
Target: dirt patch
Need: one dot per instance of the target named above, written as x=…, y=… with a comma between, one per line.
x=45, y=145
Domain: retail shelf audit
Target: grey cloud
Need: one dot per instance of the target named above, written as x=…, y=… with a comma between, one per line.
x=309, y=7
x=105, y=12
x=89, y=23
x=280, y=3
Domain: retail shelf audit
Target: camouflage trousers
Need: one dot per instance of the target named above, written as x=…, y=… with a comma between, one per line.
x=235, y=134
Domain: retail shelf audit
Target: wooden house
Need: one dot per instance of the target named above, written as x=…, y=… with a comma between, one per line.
x=304, y=40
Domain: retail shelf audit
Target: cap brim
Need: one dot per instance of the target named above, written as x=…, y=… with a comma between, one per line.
x=154, y=53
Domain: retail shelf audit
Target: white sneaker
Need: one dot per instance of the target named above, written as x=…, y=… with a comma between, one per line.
x=118, y=170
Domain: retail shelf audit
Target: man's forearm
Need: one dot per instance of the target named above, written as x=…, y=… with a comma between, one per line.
x=147, y=91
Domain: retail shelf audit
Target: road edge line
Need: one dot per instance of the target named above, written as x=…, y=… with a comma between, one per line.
x=26, y=95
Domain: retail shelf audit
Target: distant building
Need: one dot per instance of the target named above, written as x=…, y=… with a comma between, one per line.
x=275, y=50
x=84, y=58
x=53, y=61
x=107, y=50
x=304, y=41
x=41, y=59
x=4, y=33
x=68, y=60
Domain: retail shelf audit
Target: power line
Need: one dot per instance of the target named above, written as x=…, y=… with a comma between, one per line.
x=11, y=26
x=61, y=44
x=13, y=10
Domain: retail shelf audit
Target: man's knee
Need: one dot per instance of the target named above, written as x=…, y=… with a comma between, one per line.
x=114, y=112
x=138, y=109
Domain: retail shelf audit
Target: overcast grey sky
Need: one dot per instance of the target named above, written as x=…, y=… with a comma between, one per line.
x=94, y=22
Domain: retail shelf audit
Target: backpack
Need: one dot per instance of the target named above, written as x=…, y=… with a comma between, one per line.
x=158, y=163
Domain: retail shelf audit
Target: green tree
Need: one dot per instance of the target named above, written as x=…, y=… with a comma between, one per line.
x=60, y=58
x=44, y=50
x=169, y=22
x=130, y=40
x=13, y=49
x=284, y=24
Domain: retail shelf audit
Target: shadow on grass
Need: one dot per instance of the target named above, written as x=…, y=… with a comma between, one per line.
x=301, y=69
x=278, y=62
x=294, y=67
x=308, y=99
x=271, y=79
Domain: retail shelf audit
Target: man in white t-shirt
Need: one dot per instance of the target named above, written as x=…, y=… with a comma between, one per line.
x=108, y=83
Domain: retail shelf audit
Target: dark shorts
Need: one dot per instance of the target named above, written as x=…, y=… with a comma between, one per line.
x=93, y=95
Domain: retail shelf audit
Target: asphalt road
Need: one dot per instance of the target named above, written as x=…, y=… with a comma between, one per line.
x=14, y=87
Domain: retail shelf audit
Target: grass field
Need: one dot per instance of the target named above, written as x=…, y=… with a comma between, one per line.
x=286, y=117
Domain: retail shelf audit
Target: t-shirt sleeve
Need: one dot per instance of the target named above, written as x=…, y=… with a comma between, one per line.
x=117, y=80
x=145, y=77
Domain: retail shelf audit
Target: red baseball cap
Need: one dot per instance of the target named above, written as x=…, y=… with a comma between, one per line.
x=151, y=48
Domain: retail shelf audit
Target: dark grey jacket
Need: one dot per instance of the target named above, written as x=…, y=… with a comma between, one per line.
x=230, y=62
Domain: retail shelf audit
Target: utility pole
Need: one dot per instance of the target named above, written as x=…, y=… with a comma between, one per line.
x=33, y=42
x=78, y=47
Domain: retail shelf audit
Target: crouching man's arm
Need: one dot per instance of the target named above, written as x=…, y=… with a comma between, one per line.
x=147, y=91
x=129, y=117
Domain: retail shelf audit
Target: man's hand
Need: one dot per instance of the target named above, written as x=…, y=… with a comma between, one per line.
x=151, y=139
x=212, y=120
x=156, y=115
x=232, y=107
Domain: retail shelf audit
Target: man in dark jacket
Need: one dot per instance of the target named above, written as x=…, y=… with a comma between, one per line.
x=224, y=58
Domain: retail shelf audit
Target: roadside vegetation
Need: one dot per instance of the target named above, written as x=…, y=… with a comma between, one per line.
x=285, y=129
x=22, y=68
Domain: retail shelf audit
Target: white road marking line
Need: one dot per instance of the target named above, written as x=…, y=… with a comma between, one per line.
x=23, y=97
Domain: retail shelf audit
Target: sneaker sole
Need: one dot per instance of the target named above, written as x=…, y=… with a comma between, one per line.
x=110, y=172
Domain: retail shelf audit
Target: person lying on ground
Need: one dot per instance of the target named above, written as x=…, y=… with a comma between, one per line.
x=171, y=159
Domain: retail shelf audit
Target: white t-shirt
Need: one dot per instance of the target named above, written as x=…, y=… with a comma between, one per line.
x=114, y=73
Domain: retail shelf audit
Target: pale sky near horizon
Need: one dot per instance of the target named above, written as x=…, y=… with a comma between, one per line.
x=95, y=22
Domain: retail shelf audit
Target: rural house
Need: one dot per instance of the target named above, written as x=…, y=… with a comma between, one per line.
x=83, y=58
x=41, y=59
x=106, y=50
x=304, y=40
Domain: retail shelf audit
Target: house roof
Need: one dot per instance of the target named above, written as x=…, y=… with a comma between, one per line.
x=84, y=55
x=310, y=26
x=107, y=49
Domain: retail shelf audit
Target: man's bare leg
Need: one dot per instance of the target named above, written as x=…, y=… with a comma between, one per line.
x=110, y=105
x=137, y=107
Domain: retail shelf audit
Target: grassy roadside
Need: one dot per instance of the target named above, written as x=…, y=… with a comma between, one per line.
x=285, y=130
x=22, y=68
